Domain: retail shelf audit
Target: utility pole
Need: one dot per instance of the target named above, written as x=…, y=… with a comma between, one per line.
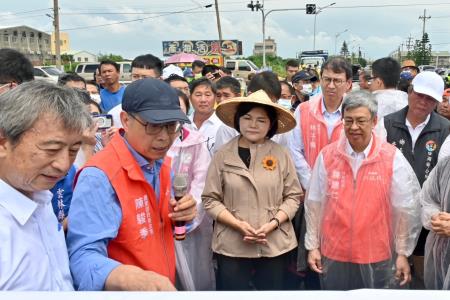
x=219, y=28
x=424, y=20
x=57, y=38
x=409, y=44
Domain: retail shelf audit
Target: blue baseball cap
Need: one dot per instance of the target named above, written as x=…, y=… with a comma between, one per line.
x=154, y=101
x=302, y=75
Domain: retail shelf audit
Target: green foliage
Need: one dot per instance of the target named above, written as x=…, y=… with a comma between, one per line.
x=421, y=53
x=344, y=50
x=275, y=62
x=113, y=57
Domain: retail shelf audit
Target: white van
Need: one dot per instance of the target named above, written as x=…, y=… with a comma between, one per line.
x=241, y=68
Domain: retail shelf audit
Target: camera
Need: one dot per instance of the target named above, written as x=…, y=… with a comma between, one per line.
x=103, y=121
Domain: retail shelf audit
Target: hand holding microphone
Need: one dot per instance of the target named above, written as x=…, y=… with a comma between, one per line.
x=184, y=206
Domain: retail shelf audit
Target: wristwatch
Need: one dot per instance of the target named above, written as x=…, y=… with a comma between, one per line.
x=276, y=220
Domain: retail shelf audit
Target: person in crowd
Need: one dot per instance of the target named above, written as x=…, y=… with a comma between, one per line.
x=291, y=68
x=435, y=217
x=98, y=78
x=190, y=157
x=302, y=86
x=362, y=208
x=112, y=93
x=204, y=119
x=364, y=77
x=409, y=66
x=94, y=91
x=145, y=66
x=15, y=69
x=383, y=83
x=171, y=69
x=287, y=95
x=443, y=107
x=419, y=133
x=72, y=80
x=227, y=88
x=268, y=82
x=142, y=66
x=315, y=82
x=41, y=128
x=122, y=214
x=252, y=192
x=179, y=83
x=197, y=69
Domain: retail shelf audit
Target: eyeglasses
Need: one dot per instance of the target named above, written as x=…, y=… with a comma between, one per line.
x=348, y=122
x=336, y=81
x=153, y=129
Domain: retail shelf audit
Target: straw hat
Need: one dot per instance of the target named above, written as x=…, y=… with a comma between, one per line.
x=227, y=109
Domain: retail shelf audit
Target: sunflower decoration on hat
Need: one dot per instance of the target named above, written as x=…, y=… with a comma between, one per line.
x=226, y=110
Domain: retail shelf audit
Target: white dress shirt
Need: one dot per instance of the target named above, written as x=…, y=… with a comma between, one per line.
x=208, y=129
x=33, y=253
x=390, y=101
x=415, y=132
x=297, y=148
x=404, y=188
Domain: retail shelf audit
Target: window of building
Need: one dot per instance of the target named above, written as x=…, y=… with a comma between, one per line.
x=86, y=59
x=79, y=59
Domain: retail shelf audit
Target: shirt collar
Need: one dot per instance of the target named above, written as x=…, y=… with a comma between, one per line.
x=423, y=124
x=212, y=119
x=19, y=205
x=142, y=161
x=352, y=153
x=324, y=109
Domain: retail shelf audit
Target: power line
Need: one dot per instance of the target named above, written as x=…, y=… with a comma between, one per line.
x=129, y=21
x=24, y=12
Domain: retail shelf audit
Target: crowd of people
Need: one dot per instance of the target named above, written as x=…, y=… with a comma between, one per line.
x=182, y=181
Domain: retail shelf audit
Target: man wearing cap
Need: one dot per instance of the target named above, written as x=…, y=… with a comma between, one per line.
x=419, y=133
x=383, y=83
x=301, y=82
x=120, y=222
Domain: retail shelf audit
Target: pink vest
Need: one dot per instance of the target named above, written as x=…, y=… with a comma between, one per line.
x=356, y=222
x=314, y=129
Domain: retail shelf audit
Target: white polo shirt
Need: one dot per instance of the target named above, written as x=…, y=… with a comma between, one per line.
x=208, y=130
x=33, y=252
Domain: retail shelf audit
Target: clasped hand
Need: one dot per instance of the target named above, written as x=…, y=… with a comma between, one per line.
x=440, y=223
x=252, y=235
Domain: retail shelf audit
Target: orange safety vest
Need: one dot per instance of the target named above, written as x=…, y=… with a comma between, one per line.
x=145, y=237
x=314, y=129
x=356, y=223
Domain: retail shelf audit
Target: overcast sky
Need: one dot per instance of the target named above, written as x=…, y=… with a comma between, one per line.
x=377, y=30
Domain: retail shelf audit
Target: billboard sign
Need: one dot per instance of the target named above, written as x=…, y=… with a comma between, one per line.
x=202, y=47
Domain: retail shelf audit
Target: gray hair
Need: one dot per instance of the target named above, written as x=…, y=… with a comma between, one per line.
x=358, y=99
x=22, y=106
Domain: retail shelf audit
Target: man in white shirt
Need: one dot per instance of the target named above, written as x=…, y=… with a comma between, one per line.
x=204, y=119
x=41, y=128
x=362, y=206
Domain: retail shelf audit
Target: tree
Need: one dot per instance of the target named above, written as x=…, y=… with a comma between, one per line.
x=275, y=62
x=113, y=57
x=344, y=50
x=421, y=52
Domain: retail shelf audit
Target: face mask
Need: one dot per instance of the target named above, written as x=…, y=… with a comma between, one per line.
x=307, y=89
x=286, y=103
x=96, y=98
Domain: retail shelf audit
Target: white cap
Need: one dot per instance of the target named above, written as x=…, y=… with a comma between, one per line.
x=429, y=83
x=171, y=69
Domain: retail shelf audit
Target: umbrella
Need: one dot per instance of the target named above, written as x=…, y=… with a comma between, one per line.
x=182, y=58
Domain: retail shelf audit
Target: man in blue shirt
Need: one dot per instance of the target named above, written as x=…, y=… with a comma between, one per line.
x=112, y=93
x=102, y=210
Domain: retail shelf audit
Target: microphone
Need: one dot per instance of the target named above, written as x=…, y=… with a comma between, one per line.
x=180, y=186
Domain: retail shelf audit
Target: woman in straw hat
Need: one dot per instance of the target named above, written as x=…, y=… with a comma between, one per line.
x=252, y=192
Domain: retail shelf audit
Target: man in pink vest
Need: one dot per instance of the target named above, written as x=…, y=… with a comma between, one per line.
x=362, y=207
x=120, y=229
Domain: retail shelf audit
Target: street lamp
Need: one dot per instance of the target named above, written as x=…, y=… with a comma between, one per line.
x=315, y=17
x=259, y=6
x=335, y=40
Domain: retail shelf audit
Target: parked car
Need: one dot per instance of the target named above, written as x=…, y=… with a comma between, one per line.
x=241, y=68
x=47, y=73
x=87, y=70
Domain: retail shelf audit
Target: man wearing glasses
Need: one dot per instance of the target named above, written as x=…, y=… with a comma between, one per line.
x=120, y=223
x=419, y=132
x=362, y=206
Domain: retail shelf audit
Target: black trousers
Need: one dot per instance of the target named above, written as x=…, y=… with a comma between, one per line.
x=239, y=274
